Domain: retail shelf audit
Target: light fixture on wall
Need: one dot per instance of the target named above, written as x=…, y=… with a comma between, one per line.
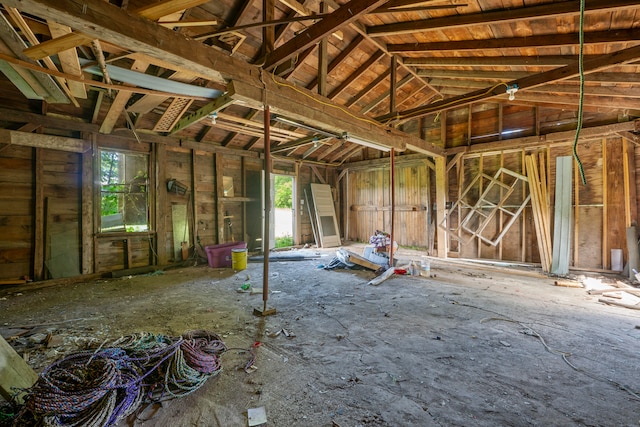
x=214, y=117
x=364, y=142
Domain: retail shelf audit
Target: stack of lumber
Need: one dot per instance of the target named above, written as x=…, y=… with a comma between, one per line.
x=619, y=294
x=540, y=206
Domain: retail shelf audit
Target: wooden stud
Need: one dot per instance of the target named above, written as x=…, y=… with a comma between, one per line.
x=523, y=217
x=605, y=207
x=39, y=216
x=194, y=199
x=441, y=210
x=87, y=200
x=219, y=196
x=626, y=184
x=161, y=203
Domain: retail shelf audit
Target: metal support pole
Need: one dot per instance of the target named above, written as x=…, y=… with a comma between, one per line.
x=267, y=213
x=393, y=204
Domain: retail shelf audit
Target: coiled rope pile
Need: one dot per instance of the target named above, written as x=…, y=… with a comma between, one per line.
x=102, y=387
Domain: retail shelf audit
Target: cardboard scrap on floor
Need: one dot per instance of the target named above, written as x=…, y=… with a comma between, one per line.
x=257, y=416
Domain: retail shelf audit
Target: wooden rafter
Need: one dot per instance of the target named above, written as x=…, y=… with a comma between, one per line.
x=140, y=35
x=546, y=10
x=33, y=40
x=494, y=61
x=302, y=10
x=373, y=104
x=32, y=85
x=69, y=60
x=342, y=16
x=153, y=12
x=339, y=59
x=552, y=40
x=562, y=73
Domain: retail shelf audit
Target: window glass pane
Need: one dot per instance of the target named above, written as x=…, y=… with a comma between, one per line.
x=124, y=184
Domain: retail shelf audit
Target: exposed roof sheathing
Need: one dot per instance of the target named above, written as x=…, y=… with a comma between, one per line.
x=358, y=69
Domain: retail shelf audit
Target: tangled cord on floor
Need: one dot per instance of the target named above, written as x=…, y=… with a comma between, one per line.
x=102, y=387
x=565, y=355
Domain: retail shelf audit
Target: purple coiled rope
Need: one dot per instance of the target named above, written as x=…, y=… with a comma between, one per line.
x=106, y=386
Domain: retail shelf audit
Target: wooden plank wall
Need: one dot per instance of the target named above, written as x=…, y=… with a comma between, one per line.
x=204, y=187
x=40, y=192
x=16, y=215
x=61, y=190
x=599, y=206
x=178, y=167
x=233, y=206
x=369, y=203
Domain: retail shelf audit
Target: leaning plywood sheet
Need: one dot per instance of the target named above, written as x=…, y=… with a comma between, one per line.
x=562, y=217
x=327, y=225
x=62, y=245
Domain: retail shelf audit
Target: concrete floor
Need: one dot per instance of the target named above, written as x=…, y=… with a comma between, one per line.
x=474, y=345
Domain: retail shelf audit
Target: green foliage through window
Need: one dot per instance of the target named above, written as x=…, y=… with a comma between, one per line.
x=124, y=182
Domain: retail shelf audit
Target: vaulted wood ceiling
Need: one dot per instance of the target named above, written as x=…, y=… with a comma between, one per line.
x=333, y=72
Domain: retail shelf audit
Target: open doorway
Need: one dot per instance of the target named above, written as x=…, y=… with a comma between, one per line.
x=283, y=215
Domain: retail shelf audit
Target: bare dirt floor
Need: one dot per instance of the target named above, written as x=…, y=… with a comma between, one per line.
x=473, y=345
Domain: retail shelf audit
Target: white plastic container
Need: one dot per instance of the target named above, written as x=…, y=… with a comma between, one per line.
x=425, y=267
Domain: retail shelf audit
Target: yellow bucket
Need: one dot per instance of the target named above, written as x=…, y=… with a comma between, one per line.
x=239, y=259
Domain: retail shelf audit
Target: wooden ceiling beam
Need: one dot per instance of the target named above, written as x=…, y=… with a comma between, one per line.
x=500, y=76
x=562, y=73
x=551, y=40
x=373, y=104
x=360, y=29
x=608, y=91
x=567, y=100
x=140, y=35
x=494, y=61
x=338, y=18
x=478, y=79
x=69, y=41
x=339, y=59
x=532, y=142
x=539, y=11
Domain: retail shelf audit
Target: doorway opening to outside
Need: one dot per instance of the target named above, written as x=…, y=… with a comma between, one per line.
x=283, y=197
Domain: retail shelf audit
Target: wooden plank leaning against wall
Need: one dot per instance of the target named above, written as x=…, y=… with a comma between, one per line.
x=603, y=207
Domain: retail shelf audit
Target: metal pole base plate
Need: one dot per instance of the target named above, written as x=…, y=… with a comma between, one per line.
x=264, y=312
